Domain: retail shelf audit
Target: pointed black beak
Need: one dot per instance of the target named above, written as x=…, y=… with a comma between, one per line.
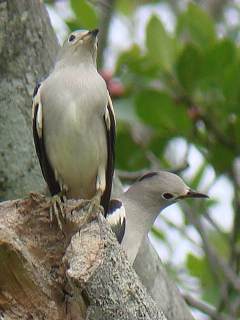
x=193, y=194
x=94, y=32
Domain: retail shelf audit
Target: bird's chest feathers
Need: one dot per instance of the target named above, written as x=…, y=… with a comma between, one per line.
x=73, y=120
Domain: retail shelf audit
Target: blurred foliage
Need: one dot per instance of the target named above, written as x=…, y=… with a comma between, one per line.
x=184, y=83
x=85, y=16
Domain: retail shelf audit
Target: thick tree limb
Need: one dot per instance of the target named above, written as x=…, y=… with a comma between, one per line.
x=34, y=281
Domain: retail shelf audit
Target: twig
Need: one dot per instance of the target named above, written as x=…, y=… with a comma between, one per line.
x=214, y=260
x=215, y=225
x=134, y=175
x=181, y=230
x=205, y=308
x=106, y=8
x=221, y=137
x=131, y=175
x=234, y=254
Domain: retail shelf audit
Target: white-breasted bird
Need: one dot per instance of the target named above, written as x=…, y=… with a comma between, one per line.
x=132, y=216
x=74, y=125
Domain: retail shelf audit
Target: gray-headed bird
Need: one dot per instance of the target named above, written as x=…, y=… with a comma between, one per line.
x=132, y=216
x=74, y=126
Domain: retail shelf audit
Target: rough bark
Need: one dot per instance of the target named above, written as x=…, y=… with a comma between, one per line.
x=82, y=275
x=27, y=48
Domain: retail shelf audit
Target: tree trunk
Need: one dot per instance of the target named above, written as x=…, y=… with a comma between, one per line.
x=28, y=47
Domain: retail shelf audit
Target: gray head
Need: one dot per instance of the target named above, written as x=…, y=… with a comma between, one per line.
x=161, y=189
x=80, y=46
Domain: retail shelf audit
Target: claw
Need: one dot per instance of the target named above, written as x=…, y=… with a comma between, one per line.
x=90, y=208
x=57, y=210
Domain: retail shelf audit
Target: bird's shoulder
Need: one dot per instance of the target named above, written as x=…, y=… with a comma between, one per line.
x=116, y=217
x=80, y=78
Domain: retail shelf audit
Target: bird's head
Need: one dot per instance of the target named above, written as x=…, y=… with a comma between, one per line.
x=164, y=188
x=81, y=45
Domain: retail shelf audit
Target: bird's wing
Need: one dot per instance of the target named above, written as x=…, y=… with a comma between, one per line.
x=38, y=135
x=110, y=124
x=116, y=217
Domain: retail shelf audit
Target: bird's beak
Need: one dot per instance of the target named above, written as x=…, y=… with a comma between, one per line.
x=193, y=194
x=93, y=32
x=90, y=35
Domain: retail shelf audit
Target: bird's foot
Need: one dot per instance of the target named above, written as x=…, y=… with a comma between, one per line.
x=57, y=209
x=41, y=200
x=84, y=211
x=54, y=204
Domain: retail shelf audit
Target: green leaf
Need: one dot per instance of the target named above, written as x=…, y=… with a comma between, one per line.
x=195, y=25
x=221, y=163
x=129, y=155
x=72, y=24
x=220, y=243
x=218, y=58
x=158, y=233
x=134, y=62
x=161, y=46
x=220, y=70
x=158, y=110
x=198, y=176
x=188, y=67
x=158, y=144
x=85, y=13
x=198, y=267
x=126, y=7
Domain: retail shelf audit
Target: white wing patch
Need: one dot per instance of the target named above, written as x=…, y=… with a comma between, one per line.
x=39, y=118
x=107, y=116
x=111, y=107
x=117, y=216
x=107, y=119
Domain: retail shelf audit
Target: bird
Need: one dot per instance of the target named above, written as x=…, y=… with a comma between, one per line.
x=73, y=125
x=132, y=215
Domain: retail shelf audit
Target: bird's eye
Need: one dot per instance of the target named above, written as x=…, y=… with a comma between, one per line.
x=71, y=38
x=167, y=195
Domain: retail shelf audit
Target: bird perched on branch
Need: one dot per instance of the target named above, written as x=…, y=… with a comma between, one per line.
x=74, y=127
x=132, y=216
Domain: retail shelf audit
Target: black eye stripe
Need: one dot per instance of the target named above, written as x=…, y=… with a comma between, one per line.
x=71, y=38
x=167, y=195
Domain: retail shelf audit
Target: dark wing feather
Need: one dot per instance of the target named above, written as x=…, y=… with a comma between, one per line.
x=116, y=217
x=110, y=133
x=46, y=168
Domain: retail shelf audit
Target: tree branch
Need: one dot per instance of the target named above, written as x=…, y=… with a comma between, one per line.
x=106, y=9
x=214, y=259
x=205, y=308
x=39, y=266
